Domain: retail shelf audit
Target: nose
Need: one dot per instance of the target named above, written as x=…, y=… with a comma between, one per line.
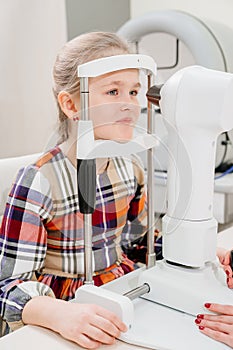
x=125, y=106
x=127, y=103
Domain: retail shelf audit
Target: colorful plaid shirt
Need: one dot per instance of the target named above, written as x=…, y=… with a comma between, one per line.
x=41, y=237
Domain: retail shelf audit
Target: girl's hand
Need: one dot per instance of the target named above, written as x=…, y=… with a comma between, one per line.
x=224, y=258
x=89, y=325
x=85, y=324
x=218, y=327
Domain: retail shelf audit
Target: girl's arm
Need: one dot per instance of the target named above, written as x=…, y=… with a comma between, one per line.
x=23, y=244
x=87, y=325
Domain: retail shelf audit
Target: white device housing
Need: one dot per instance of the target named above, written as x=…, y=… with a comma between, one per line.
x=197, y=104
x=116, y=303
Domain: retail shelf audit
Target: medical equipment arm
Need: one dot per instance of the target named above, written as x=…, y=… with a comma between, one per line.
x=197, y=105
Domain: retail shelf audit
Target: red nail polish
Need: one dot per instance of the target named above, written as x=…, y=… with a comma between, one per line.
x=207, y=305
x=197, y=321
x=201, y=328
x=228, y=273
x=200, y=316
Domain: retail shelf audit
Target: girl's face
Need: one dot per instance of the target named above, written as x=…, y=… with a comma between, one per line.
x=114, y=107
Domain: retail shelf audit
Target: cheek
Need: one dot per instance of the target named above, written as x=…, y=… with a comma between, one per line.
x=103, y=115
x=137, y=110
x=104, y=131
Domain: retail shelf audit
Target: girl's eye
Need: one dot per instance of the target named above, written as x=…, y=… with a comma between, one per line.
x=133, y=92
x=113, y=92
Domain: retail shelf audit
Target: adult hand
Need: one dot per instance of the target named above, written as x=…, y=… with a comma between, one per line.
x=225, y=260
x=218, y=327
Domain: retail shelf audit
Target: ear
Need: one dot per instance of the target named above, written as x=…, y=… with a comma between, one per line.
x=67, y=104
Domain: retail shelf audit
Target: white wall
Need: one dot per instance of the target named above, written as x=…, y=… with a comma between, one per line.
x=215, y=14
x=213, y=9
x=162, y=46
x=31, y=33
x=85, y=16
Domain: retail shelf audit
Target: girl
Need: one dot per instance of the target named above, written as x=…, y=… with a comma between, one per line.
x=41, y=238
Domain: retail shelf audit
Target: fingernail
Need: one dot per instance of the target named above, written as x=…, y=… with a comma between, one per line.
x=207, y=305
x=228, y=273
x=200, y=316
x=197, y=321
x=227, y=280
x=201, y=328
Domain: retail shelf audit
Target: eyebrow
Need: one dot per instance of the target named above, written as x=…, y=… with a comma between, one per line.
x=119, y=83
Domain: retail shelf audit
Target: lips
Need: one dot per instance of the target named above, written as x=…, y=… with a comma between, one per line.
x=125, y=121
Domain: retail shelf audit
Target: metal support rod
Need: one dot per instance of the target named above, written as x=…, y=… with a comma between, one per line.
x=84, y=98
x=88, y=269
x=87, y=217
x=137, y=292
x=150, y=257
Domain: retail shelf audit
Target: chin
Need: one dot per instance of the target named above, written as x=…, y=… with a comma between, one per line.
x=124, y=138
x=120, y=134
x=125, y=134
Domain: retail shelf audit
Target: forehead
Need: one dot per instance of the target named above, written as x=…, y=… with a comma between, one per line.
x=124, y=76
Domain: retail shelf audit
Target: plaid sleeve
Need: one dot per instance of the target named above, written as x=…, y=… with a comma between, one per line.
x=136, y=225
x=23, y=243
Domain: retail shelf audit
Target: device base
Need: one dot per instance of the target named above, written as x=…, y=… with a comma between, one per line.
x=186, y=289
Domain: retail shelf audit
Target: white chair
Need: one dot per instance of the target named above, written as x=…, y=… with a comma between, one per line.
x=8, y=170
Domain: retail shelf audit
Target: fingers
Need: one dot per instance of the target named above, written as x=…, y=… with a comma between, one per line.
x=221, y=253
x=216, y=335
x=220, y=326
x=89, y=325
x=106, y=326
x=215, y=325
x=221, y=309
x=87, y=342
x=100, y=330
x=217, y=318
x=230, y=282
x=112, y=318
x=103, y=327
x=229, y=275
x=89, y=336
x=99, y=336
x=227, y=258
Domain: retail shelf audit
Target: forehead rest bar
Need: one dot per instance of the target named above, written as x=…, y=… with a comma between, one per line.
x=115, y=63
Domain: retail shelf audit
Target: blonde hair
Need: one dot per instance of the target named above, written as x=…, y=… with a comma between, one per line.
x=79, y=50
